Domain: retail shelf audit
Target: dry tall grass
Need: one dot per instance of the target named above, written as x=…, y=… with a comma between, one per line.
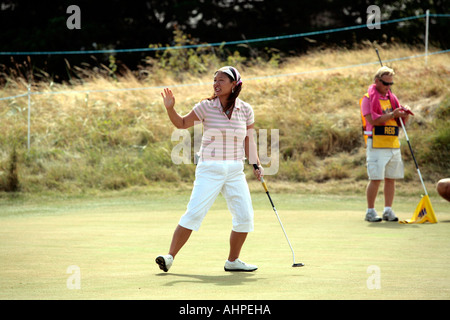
x=86, y=137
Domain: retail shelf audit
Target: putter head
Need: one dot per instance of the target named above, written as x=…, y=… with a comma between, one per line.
x=296, y=265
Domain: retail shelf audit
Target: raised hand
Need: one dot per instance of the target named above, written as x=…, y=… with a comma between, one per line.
x=168, y=98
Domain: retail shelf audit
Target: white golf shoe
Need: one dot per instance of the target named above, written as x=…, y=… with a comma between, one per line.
x=238, y=265
x=389, y=215
x=164, y=262
x=372, y=216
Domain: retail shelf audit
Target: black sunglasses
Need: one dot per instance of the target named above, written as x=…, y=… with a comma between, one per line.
x=386, y=83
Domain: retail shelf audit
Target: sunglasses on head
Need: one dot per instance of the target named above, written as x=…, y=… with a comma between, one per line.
x=386, y=83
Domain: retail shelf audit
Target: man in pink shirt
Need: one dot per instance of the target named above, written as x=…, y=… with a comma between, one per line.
x=381, y=111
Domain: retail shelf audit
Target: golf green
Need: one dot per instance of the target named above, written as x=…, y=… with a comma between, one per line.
x=104, y=248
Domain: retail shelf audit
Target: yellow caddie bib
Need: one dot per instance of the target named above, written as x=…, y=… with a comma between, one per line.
x=382, y=136
x=386, y=136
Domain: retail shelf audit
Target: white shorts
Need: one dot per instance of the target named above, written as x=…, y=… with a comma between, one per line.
x=383, y=163
x=214, y=177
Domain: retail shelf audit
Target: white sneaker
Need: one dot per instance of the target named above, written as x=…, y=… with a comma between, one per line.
x=238, y=265
x=389, y=215
x=164, y=262
x=372, y=216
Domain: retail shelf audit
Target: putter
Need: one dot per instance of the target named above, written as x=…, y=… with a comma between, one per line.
x=276, y=213
x=406, y=136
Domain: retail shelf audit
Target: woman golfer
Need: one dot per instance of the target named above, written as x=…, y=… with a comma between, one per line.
x=225, y=143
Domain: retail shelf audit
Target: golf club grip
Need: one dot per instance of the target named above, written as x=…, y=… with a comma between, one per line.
x=262, y=179
x=378, y=54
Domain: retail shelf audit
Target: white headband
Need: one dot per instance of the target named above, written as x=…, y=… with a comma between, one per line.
x=232, y=72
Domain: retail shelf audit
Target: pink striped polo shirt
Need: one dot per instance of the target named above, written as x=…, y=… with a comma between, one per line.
x=223, y=138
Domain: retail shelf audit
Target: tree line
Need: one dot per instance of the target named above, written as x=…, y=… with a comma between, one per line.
x=27, y=25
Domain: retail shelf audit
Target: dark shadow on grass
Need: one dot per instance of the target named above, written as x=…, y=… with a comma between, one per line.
x=229, y=279
x=390, y=225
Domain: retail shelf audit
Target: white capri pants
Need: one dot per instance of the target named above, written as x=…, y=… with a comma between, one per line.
x=214, y=177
